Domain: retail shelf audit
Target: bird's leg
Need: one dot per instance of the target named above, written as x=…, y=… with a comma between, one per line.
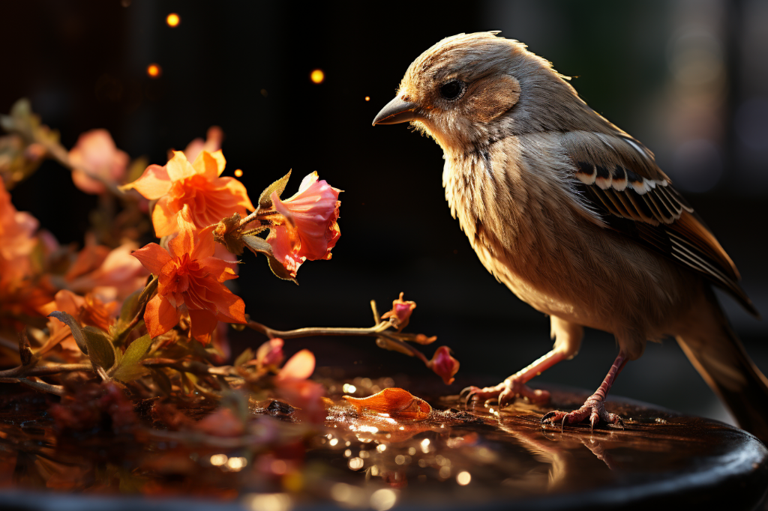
x=567, y=341
x=594, y=406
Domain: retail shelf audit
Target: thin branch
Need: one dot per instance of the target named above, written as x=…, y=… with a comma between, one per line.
x=190, y=366
x=46, y=370
x=43, y=387
x=374, y=331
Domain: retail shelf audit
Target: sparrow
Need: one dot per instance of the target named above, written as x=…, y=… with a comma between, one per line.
x=576, y=218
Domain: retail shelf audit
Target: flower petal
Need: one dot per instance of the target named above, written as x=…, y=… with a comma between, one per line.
x=153, y=183
x=210, y=165
x=299, y=367
x=235, y=190
x=184, y=243
x=178, y=167
x=160, y=316
x=282, y=248
x=392, y=402
x=69, y=302
x=206, y=245
x=164, y=219
x=219, y=269
x=153, y=257
x=202, y=324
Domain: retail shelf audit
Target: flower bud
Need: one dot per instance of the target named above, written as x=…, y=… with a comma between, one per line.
x=444, y=365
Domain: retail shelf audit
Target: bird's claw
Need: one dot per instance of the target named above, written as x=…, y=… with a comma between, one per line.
x=505, y=392
x=593, y=409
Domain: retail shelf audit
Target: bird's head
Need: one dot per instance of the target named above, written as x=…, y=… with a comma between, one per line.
x=470, y=88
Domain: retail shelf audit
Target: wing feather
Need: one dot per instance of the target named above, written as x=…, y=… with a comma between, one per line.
x=619, y=178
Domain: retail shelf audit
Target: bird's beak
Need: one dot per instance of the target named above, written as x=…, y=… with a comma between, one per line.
x=397, y=111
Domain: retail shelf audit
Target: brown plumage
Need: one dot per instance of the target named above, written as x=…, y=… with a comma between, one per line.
x=576, y=218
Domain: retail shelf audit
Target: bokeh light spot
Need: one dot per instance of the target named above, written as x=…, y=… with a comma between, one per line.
x=383, y=499
x=173, y=20
x=463, y=478
x=317, y=76
x=154, y=71
x=238, y=173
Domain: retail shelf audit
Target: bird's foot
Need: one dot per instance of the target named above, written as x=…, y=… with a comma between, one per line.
x=505, y=392
x=593, y=408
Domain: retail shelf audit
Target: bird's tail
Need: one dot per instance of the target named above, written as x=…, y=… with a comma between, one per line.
x=717, y=353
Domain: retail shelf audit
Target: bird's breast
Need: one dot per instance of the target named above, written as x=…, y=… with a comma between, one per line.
x=512, y=205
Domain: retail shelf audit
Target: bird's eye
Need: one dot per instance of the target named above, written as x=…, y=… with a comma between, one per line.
x=452, y=90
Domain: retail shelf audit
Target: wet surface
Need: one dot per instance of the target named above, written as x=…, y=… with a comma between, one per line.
x=451, y=457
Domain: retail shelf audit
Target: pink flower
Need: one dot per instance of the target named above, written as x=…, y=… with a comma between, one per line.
x=401, y=312
x=270, y=353
x=95, y=154
x=444, y=365
x=311, y=226
x=113, y=275
x=299, y=367
x=292, y=385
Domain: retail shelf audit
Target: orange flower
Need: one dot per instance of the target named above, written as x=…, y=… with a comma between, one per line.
x=190, y=279
x=88, y=310
x=95, y=154
x=179, y=183
x=22, y=291
x=17, y=239
x=444, y=365
x=311, y=226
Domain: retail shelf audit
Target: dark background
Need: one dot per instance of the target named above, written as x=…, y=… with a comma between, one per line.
x=688, y=78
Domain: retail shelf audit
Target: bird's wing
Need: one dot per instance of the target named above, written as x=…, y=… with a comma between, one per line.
x=621, y=181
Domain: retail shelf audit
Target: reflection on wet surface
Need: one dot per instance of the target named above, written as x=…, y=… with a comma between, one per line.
x=451, y=457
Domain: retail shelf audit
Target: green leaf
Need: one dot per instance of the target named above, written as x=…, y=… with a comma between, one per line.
x=130, y=307
x=100, y=348
x=130, y=366
x=265, y=202
x=279, y=270
x=260, y=246
x=148, y=291
x=73, y=325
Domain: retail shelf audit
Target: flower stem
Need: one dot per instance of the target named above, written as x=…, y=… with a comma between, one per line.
x=143, y=300
x=257, y=215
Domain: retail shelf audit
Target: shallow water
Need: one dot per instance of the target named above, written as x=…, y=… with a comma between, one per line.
x=456, y=458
